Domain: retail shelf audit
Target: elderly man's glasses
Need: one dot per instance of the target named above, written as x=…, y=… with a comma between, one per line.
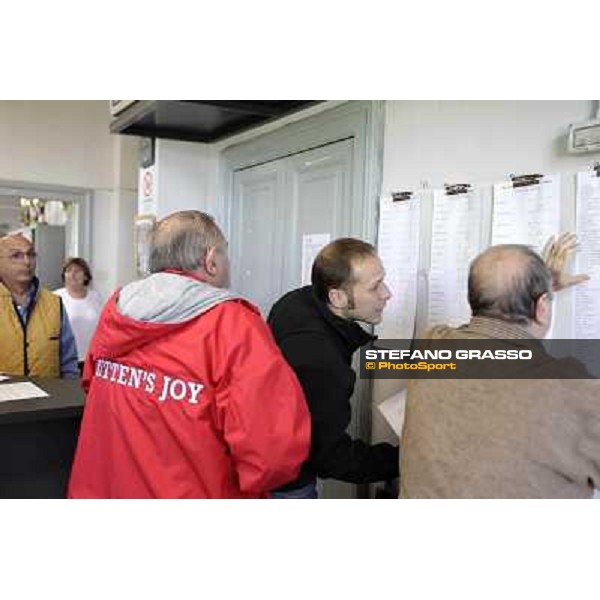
x=19, y=256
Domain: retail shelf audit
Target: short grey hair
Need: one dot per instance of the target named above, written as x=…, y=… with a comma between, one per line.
x=506, y=281
x=181, y=240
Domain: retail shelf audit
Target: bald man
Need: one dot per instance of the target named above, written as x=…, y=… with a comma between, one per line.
x=37, y=340
x=505, y=438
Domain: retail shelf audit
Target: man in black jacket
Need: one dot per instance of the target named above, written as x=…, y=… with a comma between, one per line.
x=316, y=329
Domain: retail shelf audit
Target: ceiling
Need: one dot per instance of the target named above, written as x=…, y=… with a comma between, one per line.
x=200, y=120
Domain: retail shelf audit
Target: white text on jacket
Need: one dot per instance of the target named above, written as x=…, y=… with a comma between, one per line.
x=168, y=388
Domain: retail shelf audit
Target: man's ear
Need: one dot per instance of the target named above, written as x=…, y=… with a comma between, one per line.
x=543, y=310
x=210, y=264
x=338, y=298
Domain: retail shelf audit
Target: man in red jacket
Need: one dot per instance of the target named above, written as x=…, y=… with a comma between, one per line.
x=188, y=395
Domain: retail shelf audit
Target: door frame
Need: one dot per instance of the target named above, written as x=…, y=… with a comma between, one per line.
x=362, y=120
x=81, y=196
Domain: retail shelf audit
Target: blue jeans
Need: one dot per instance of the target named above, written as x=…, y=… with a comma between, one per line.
x=307, y=492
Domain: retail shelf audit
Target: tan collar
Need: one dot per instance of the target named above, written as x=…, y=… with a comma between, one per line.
x=496, y=328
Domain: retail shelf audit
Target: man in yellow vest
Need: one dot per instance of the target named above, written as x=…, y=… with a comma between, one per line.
x=36, y=339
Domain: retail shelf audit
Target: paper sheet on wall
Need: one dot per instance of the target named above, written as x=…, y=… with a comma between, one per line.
x=586, y=313
x=455, y=241
x=393, y=409
x=311, y=245
x=20, y=391
x=398, y=248
x=526, y=215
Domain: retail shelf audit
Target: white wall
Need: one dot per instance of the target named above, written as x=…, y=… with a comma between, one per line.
x=68, y=143
x=477, y=141
x=113, y=214
x=62, y=143
x=186, y=174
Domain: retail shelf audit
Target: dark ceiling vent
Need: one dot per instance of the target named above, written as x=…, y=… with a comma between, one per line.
x=200, y=120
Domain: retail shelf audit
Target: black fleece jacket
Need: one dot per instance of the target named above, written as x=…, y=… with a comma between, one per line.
x=319, y=346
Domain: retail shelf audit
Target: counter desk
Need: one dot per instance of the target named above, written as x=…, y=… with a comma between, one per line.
x=38, y=437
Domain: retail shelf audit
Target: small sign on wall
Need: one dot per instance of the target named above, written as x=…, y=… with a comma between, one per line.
x=147, y=191
x=147, y=178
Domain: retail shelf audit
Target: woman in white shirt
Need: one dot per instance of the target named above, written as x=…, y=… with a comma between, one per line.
x=83, y=305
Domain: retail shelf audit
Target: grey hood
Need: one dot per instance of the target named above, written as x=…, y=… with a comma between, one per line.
x=169, y=298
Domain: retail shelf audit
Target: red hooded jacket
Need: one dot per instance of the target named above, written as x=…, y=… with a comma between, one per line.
x=205, y=407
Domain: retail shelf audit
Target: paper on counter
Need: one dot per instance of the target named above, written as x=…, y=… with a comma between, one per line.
x=20, y=391
x=4, y=377
x=392, y=409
